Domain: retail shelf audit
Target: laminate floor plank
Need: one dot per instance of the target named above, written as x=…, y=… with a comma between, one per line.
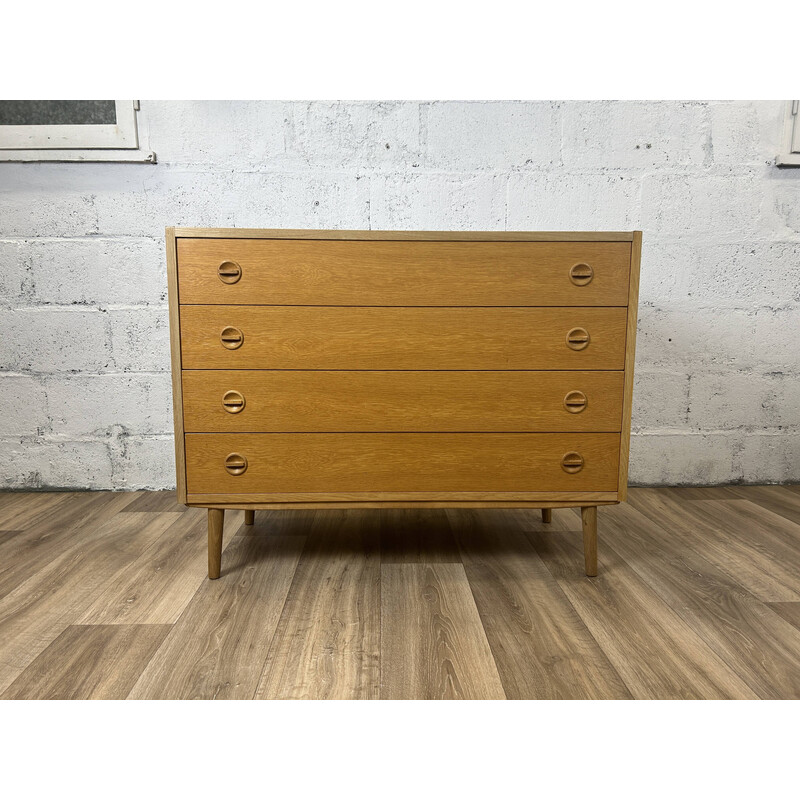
x=217, y=649
x=327, y=644
x=433, y=645
x=541, y=646
x=38, y=610
x=416, y=536
x=157, y=501
x=89, y=662
x=754, y=641
x=780, y=500
x=158, y=586
x=62, y=527
x=759, y=549
x=21, y=509
x=45, y=510
x=657, y=654
x=279, y=522
x=698, y=596
x=9, y=535
x=789, y=611
x=683, y=493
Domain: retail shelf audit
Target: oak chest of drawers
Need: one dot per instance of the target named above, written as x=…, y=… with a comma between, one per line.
x=330, y=369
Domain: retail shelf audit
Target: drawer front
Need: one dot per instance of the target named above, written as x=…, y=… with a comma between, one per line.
x=332, y=273
x=400, y=462
x=219, y=401
x=264, y=337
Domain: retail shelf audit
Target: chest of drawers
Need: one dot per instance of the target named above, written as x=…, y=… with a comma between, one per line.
x=333, y=369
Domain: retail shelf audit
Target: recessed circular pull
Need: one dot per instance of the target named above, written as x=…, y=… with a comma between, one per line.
x=233, y=401
x=231, y=337
x=575, y=402
x=581, y=274
x=572, y=462
x=236, y=464
x=229, y=272
x=578, y=339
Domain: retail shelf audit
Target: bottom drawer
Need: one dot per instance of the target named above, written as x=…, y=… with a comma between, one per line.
x=218, y=463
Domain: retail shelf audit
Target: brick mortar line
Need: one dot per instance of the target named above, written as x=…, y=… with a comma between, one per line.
x=87, y=374
x=33, y=439
x=771, y=431
x=86, y=306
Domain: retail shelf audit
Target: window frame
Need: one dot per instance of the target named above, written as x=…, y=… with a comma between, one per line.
x=118, y=142
x=790, y=142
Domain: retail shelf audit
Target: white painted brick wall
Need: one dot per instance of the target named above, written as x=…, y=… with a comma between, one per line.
x=84, y=355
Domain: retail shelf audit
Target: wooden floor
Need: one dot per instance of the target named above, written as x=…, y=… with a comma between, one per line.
x=104, y=595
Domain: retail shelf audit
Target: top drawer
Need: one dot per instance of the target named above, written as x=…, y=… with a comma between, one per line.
x=402, y=273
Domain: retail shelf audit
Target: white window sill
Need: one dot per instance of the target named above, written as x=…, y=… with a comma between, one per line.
x=107, y=156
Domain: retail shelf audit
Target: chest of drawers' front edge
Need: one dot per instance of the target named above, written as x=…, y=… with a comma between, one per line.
x=176, y=363
x=630, y=355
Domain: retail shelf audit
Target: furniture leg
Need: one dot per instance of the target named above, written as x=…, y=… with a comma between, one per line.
x=249, y=516
x=589, y=519
x=216, y=518
x=547, y=515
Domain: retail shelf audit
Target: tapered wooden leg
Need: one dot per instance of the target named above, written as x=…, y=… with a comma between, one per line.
x=249, y=516
x=547, y=515
x=589, y=519
x=216, y=518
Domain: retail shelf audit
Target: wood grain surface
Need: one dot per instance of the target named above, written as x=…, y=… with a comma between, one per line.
x=746, y=633
x=89, y=662
x=217, y=648
x=403, y=236
x=161, y=581
x=347, y=400
x=433, y=646
x=789, y=611
x=403, y=603
x=631, y=623
x=416, y=536
x=330, y=500
x=630, y=360
x=175, y=361
x=760, y=550
x=18, y=509
x=166, y=500
x=53, y=530
x=306, y=337
x=400, y=462
x=38, y=610
x=541, y=647
x=775, y=499
x=417, y=273
x=328, y=637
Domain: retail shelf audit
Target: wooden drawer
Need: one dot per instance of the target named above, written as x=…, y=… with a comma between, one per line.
x=345, y=400
x=402, y=273
x=399, y=462
x=401, y=338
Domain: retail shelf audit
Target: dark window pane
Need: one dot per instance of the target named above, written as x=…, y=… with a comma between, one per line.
x=58, y=112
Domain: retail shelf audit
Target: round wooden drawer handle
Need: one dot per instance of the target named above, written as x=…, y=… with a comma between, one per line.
x=578, y=339
x=229, y=272
x=233, y=401
x=572, y=462
x=231, y=337
x=575, y=402
x=236, y=464
x=581, y=274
